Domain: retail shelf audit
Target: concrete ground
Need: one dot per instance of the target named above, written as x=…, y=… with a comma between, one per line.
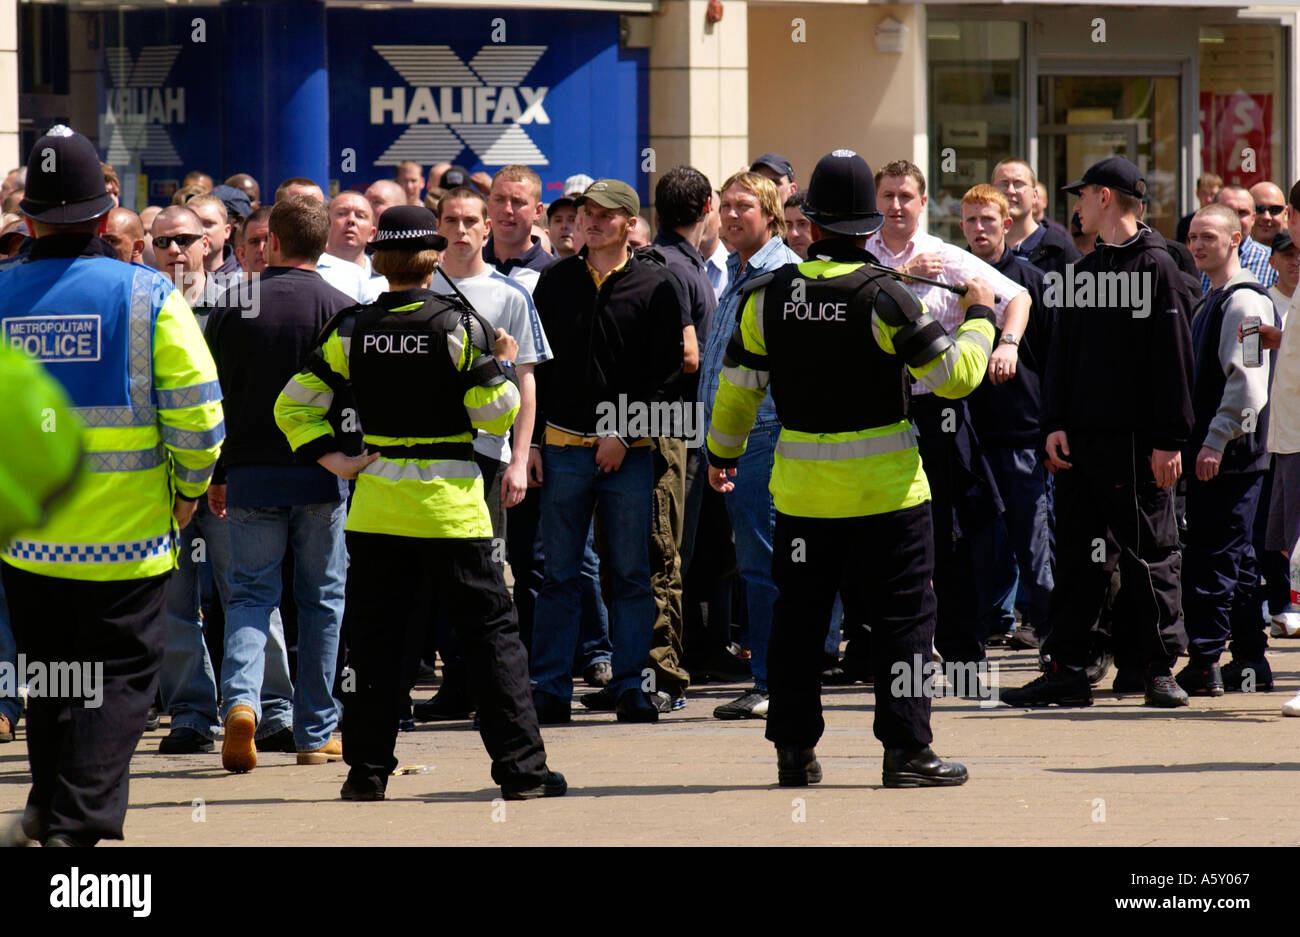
x=1118, y=773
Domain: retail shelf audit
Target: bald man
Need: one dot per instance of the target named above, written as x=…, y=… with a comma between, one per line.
x=1270, y=212
x=242, y=180
x=147, y=216
x=126, y=233
x=299, y=185
x=383, y=195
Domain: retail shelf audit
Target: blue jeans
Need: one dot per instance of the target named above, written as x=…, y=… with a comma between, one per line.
x=10, y=706
x=593, y=633
x=187, y=682
x=749, y=505
x=1022, y=481
x=258, y=538
x=573, y=490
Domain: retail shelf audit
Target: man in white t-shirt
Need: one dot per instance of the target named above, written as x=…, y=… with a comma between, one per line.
x=345, y=265
x=506, y=304
x=1284, y=257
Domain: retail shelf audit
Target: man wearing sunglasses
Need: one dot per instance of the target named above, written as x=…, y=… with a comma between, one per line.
x=1270, y=212
x=178, y=248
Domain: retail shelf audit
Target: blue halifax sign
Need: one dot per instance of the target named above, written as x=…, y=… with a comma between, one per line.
x=483, y=89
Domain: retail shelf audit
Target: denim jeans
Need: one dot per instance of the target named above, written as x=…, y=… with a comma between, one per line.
x=621, y=500
x=749, y=505
x=10, y=706
x=258, y=538
x=187, y=681
x=594, y=645
x=1022, y=481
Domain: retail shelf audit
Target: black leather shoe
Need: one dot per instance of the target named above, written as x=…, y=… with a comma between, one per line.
x=352, y=793
x=445, y=704
x=601, y=701
x=281, y=741
x=184, y=741
x=152, y=719
x=1201, y=679
x=1058, y=685
x=598, y=674
x=921, y=767
x=1248, y=676
x=553, y=786
x=797, y=767
x=634, y=706
x=1163, y=690
x=551, y=710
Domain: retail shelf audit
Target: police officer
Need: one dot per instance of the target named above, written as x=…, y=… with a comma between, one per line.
x=89, y=585
x=425, y=378
x=851, y=497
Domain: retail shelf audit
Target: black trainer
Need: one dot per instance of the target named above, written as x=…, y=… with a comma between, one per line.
x=1058, y=685
x=603, y=700
x=1247, y=676
x=1201, y=679
x=797, y=767
x=184, y=741
x=351, y=793
x=921, y=767
x=1163, y=690
x=634, y=706
x=553, y=786
x=281, y=741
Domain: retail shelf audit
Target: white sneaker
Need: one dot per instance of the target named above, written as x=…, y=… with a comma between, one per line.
x=1286, y=624
x=760, y=709
x=1292, y=706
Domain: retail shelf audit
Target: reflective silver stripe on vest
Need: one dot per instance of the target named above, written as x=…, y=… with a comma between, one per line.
x=194, y=476
x=409, y=470
x=126, y=460
x=849, y=449
x=132, y=551
x=494, y=409
x=937, y=376
x=975, y=336
x=300, y=393
x=191, y=439
x=140, y=411
x=177, y=398
x=456, y=345
x=746, y=378
x=758, y=313
x=726, y=440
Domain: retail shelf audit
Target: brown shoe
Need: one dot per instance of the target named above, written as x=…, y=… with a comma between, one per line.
x=6, y=730
x=237, y=751
x=330, y=751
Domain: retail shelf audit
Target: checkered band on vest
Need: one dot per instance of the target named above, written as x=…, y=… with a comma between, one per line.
x=132, y=551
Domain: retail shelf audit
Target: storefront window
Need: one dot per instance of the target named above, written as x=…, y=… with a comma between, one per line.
x=976, y=95
x=1243, y=90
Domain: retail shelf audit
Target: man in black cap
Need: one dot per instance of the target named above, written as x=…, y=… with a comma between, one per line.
x=89, y=585
x=777, y=168
x=851, y=497
x=426, y=374
x=1117, y=413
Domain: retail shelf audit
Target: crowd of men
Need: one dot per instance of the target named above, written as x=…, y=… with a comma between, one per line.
x=1123, y=486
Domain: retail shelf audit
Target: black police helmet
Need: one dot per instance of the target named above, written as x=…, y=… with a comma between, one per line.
x=842, y=195
x=65, y=182
x=407, y=228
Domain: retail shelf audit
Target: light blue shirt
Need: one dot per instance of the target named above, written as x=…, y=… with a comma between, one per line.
x=770, y=256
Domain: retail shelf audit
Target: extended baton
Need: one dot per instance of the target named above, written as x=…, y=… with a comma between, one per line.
x=950, y=287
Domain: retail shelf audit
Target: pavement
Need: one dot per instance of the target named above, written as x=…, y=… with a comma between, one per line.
x=1117, y=773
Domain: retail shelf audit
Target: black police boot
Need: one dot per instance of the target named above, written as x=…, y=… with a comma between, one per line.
x=1201, y=678
x=921, y=767
x=1162, y=689
x=1058, y=685
x=797, y=767
x=1247, y=676
x=553, y=785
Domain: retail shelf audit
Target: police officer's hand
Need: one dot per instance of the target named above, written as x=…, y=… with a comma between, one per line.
x=1207, y=463
x=924, y=265
x=183, y=510
x=217, y=500
x=1058, y=448
x=1002, y=363
x=346, y=467
x=534, y=468
x=505, y=348
x=609, y=454
x=514, y=483
x=978, y=293
x=720, y=479
x=1166, y=466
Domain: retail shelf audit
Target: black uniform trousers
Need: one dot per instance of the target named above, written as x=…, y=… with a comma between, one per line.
x=882, y=562
x=1110, y=514
x=394, y=586
x=81, y=756
x=1223, y=590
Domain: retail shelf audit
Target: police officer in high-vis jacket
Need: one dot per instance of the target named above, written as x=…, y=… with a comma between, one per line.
x=87, y=587
x=837, y=341
x=419, y=535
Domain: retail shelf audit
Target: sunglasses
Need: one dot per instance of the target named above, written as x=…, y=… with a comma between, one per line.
x=181, y=240
x=1273, y=210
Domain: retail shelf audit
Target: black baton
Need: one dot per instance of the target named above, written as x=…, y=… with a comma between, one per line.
x=950, y=287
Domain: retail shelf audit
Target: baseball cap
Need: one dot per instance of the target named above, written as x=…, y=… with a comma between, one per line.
x=775, y=162
x=576, y=185
x=236, y=200
x=611, y=193
x=453, y=177
x=1281, y=241
x=1113, y=172
x=563, y=201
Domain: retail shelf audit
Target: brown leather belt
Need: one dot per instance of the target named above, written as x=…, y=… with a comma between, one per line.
x=558, y=437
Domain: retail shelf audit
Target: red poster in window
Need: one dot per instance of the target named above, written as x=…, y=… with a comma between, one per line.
x=1236, y=129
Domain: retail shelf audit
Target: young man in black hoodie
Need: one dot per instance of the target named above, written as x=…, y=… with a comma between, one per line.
x=272, y=500
x=1117, y=413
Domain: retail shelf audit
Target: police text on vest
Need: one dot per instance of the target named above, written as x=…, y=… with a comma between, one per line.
x=398, y=344
x=815, y=312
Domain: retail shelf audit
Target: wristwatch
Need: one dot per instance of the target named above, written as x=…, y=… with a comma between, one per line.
x=1008, y=339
